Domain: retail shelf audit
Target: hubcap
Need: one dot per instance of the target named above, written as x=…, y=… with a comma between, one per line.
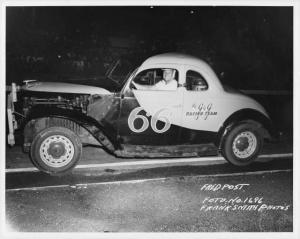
x=56, y=151
x=244, y=144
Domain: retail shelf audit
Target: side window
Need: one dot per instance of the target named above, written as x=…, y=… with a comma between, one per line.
x=156, y=79
x=195, y=81
x=148, y=77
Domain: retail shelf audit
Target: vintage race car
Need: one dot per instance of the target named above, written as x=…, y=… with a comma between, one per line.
x=199, y=117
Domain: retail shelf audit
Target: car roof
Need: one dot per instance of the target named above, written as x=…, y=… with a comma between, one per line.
x=176, y=58
x=182, y=59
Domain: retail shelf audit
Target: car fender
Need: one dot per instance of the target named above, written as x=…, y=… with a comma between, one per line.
x=242, y=116
x=107, y=139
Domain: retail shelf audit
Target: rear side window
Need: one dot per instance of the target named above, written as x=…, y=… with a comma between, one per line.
x=195, y=81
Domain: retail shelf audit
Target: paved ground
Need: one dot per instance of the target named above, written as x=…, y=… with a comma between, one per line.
x=176, y=204
x=15, y=158
x=204, y=196
x=37, y=180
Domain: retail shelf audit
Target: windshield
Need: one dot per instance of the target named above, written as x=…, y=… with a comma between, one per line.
x=118, y=73
x=115, y=77
x=129, y=76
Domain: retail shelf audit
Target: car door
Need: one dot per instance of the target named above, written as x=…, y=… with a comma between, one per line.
x=150, y=117
x=199, y=108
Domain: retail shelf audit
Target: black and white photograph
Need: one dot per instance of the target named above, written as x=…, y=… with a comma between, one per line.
x=149, y=118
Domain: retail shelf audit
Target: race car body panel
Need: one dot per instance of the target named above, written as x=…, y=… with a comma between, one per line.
x=197, y=112
x=59, y=87
x=185, y=115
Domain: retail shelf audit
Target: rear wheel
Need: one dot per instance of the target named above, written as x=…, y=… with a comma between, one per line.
x=242, y=145
x=56, y=150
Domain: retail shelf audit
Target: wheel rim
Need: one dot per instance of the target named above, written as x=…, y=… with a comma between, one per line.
x=57, y=151
x=244, y=144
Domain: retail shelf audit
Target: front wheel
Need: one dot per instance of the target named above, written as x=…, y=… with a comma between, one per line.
x=56, y=150
x=242, y=145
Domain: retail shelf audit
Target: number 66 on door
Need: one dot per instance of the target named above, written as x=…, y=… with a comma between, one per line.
x=134, y=115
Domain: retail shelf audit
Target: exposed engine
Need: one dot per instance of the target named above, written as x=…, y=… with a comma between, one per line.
x=67, y=101
x=22, y=100
x=74, y=102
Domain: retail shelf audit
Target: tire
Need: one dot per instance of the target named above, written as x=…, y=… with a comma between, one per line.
x=56, y=150
x=242, y=145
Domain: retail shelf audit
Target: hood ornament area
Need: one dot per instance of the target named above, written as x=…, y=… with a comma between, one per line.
x=27, y=83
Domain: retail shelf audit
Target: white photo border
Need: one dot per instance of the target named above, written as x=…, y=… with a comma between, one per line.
x=5, y=230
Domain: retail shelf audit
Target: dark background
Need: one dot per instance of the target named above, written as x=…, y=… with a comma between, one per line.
x=250, y=48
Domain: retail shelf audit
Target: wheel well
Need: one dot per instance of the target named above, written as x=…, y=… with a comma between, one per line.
x=36, y=125
x=254, y=117
x=77, y=120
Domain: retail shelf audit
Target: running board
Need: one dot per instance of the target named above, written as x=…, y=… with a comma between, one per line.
x=170, y=151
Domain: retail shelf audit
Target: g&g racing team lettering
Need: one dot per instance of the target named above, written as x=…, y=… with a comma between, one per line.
x=201, y=111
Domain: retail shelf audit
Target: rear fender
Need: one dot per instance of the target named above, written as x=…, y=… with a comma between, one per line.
x=246, y=116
